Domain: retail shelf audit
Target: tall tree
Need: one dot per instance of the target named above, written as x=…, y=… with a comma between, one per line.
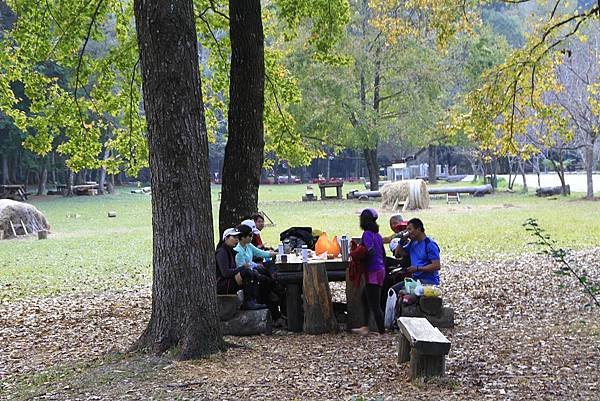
x=184, y=308
x=245, y=145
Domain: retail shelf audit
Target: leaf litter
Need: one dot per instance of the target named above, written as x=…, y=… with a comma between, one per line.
x=521, y=333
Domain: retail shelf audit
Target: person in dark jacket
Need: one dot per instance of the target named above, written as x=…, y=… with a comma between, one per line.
x=231, y=278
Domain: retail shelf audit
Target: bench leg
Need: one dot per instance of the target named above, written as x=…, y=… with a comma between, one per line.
x=426, y=365
x=403, y=349
x=293, y=302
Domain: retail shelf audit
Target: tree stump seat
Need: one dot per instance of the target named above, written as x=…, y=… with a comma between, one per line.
x=432, y=309
x=423, y=345
x=238, y=322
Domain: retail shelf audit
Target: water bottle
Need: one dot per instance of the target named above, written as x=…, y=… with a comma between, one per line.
x=280, y=249
x=344, y=245
x=304, y=253
x=286, y=246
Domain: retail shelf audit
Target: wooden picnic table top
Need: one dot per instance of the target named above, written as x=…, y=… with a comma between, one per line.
x=294, y=264
x=331, y=184
x=12, y=186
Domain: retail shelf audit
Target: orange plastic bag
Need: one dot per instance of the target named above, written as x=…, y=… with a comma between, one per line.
x=322, y=244
x=334, y=248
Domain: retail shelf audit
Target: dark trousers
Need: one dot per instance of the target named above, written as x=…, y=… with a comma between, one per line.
x=372, y=297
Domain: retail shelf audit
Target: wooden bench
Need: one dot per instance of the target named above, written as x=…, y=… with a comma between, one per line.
x=423, y=345
x=452, y=197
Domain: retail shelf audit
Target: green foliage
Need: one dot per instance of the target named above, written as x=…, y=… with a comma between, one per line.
x=550, y=247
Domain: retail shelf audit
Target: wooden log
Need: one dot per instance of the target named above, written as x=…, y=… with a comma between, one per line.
x=42, y=234
x=293, y=302
x=422, y=365
x=481, y=189
x=549, y=191
x=358, y=314
x=431, y=305
x=24, y=227
x=319, y=317
x=248, y=323
x=356, y=309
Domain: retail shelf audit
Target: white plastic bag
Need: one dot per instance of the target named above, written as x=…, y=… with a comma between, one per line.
x=419, y=290
x=390, y=309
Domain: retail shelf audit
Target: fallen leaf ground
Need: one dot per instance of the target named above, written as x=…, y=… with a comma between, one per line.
x=518, y=336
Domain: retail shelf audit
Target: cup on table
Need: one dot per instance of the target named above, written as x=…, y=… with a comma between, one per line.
x=283, y=258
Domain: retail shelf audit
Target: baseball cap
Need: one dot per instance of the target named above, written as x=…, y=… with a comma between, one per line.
x=250, y=223
x=230, y=231
x=372, y=212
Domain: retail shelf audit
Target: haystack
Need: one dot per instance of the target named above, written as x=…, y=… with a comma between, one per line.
x=20, y=214
x=411, y=194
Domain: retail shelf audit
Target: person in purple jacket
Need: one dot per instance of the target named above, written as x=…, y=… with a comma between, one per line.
x=374, y=268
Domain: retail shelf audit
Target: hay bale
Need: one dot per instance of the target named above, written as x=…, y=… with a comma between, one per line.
x=411, y=194
x=15, y=212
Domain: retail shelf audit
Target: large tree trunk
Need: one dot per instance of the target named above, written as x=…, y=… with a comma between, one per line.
x=5, y=176
x=589, y=170
x=43, y=179
x=184, y=305
x=245, y=145
x=102, y=173
x=373, y=167
x=432, y=164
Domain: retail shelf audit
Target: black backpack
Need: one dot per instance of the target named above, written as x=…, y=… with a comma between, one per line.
x=298, y=236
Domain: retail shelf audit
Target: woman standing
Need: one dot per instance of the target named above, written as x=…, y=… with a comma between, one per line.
x=374, y=266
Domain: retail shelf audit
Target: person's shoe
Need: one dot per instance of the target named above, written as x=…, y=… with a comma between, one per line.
x=280, y=324
x=253, y=305
x=363, y=331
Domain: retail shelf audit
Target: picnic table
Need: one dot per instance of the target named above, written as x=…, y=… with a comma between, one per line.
x=14, y=191
x=338, y=189
x=291, y=275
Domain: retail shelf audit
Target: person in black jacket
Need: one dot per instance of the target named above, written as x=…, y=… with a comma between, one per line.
x=230, y=278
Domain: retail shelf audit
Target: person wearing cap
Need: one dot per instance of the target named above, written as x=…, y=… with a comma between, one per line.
x=232, y=278
x=397, y=225
x=374, y=267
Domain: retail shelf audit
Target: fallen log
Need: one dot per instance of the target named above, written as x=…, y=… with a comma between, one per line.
x=478, y=190
x=549, y=191
x=481, y=189
x=356, y=194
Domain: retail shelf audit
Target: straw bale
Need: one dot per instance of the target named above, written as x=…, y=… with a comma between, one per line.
x=412, y=194
x=16, y=212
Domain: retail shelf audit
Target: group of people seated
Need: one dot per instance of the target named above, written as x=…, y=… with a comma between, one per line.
x=244, y=263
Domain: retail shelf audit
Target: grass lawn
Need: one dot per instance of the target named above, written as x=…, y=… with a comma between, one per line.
x=89, y=252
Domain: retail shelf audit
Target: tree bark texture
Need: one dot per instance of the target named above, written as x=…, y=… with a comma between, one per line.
x=5, y=176
x=245, y=144
x=184, y=306
x=318, y=308
x=102, y=173
x=372, y=167
x=432, y=164
x=589, y=170
x=43, y=179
